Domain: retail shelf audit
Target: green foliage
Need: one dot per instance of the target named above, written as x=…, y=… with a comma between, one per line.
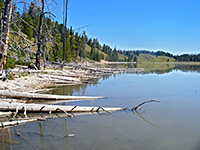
x=2, y=5
x=26, y=28
x=72, y=45
x=94, y=54
x=135, y=59
x=21, y=62
x=68, y=56
x=33, y=12
x=10, y=63
x=90, y=42
x=187, y=57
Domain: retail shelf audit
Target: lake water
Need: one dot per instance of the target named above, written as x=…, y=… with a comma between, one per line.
x=173, y=124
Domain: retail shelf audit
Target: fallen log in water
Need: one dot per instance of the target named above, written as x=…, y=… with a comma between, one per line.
x=26, y=95
x=6, y=106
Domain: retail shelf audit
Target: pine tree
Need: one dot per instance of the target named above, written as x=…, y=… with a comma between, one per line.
x=26, y=28
x=135, y=59
x=77, y=44
x=34, y=14
x=92, y=53
x=90, y=42
x=97, y=56
x=68, y=56
x=73, y=45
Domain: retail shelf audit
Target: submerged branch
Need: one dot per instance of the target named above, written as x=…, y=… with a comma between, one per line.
x=136, y=107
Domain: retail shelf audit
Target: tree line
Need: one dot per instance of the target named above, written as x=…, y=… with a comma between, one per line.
x=133, y=54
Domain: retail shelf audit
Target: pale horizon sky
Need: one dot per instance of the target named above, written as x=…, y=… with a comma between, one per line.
x=168, y=25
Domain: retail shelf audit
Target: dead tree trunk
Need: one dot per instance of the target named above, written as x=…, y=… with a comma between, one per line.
x=44, y=55
x=84, y=44
x=5, y=33
x=39, y=36
x=65, y=26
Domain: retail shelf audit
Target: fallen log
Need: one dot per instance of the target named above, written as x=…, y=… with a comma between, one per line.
x=60, y=78
x=5, y=114
x=32, y=96
x=6, y=106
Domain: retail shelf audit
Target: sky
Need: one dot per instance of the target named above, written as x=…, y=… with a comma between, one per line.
x=169, y=25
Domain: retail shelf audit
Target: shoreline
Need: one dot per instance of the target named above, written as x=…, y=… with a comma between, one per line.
x=41, y=81
x=35, y=81
x=71, y=74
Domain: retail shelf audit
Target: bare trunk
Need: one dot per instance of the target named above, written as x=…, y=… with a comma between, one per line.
x=84, y=44
x=5, y=106
x=5, y=33
x=64, y=26
x=39, y=36
x=44, y=55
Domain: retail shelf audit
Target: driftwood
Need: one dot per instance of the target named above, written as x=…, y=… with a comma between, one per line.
x=26, y=95
x=5, y=114
x=5, y=106
x=138, y=106
x=59, y=77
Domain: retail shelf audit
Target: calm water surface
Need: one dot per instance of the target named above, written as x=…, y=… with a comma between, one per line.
x=173, y=124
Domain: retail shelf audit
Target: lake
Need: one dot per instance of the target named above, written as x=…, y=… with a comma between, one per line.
x=172, y=124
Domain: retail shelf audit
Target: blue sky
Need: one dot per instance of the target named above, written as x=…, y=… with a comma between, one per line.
x=168, y=25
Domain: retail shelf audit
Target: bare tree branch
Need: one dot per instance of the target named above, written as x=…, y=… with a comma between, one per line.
x=136, y=107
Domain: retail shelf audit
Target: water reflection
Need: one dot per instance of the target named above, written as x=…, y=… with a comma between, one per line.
x=188, y=68
x=159, y=68
x=5, y=139
x=79, y=89
x=150, y=68
x=55, y=133
x=51, y=134
x=140, y=115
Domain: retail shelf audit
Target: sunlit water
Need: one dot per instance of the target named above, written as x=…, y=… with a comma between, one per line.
x=173, y=124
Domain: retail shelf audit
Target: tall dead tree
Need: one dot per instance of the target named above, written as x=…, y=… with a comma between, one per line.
x=1, y=18
x=40, y=36
x=25, y=8
x=65, y=6
x=84, y=44
x=5, y=33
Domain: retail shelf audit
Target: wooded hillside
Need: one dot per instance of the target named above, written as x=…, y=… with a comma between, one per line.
x=32, y=35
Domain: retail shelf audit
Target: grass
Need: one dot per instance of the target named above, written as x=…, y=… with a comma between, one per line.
x=152, y=58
